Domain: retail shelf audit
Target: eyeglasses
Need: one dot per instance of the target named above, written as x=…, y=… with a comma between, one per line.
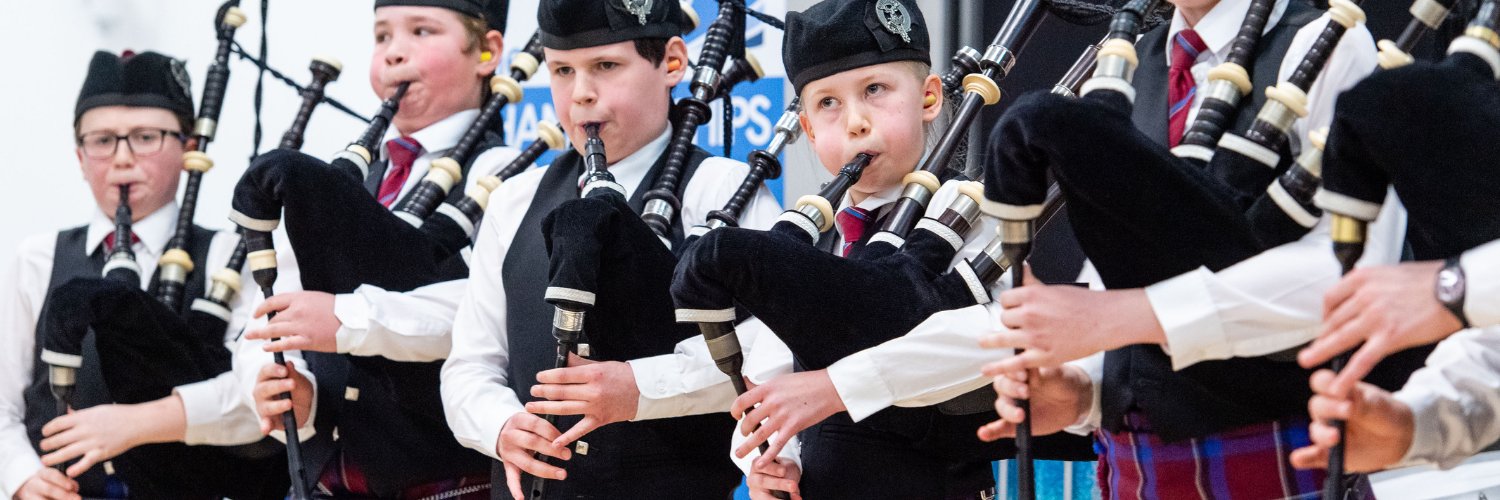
x=142, y=142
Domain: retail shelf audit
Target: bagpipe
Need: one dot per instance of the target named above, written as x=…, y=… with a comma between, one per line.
x=1221, y=184
x=1288, y=209
x=638, y=262
x=82, y=303
x=329, y=213
x=750, y=269
x=145, y=334
x=1383, y=137
x=1232, y=189
x=610, y=267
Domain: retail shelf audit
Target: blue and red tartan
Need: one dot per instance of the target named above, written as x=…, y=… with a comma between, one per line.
x=344, y=479
x=1247, y=463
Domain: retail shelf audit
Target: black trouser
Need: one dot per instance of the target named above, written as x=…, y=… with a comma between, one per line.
x=841, y=459
x=637, y=460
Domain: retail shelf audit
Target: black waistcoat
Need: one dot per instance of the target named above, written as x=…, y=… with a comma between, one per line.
x=72, y=259
x=620, y=450
x=1210, y=396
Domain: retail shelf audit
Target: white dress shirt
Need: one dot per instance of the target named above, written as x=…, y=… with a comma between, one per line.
x=410, y=326
x=477, y=395
x=212, y=408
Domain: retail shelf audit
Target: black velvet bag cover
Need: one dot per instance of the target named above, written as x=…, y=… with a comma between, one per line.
x=601, y=244
x=1428, y=130
x=825, y=307
x=1141, y=214
x=876, y=301
x=341, y=236
x=144, y=351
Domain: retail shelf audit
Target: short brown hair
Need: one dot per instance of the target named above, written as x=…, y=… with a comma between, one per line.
x=652, y=49
x=475, y=29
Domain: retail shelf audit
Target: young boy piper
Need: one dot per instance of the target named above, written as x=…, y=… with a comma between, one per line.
x=131, y=124
x=612, y=65
x=374, y=359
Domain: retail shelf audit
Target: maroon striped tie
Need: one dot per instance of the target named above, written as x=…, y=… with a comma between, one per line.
x=852, y=223
x=1185, y=49
x=402, y=152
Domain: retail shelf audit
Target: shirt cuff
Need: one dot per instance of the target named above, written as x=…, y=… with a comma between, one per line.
x=489, y=433
x=1427, y=436
x=652, y=381
x=308, y=429
x=353, y=313
x=200, y=410
x=1184, y=306
x=1479, y=304
x=19, y=467
x=857, y=380
x=1091, y=418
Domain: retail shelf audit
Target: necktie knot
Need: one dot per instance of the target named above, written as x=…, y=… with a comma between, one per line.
x=400, y=153
x=852, y=222
x=1186, y=46
x=109, y=241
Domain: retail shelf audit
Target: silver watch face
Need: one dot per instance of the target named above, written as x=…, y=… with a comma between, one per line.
x=1450, y=285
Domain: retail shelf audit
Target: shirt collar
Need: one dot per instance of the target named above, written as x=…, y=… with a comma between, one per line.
x=1219, y=27
x=154, y=230
x=442, y=135
x=875, y=202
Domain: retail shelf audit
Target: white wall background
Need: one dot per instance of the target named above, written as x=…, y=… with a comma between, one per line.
x=49, y=44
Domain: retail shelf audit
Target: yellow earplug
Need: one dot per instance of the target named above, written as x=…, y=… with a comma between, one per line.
x=486, y=56
x=930, y=99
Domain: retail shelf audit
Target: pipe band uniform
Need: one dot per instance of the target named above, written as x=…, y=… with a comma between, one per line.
x=571, y=244
x=119, y=345
x=378, y=427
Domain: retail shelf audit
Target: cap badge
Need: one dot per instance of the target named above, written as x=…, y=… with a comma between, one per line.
x=180, y=75
x=894, y=17
x=638, y=7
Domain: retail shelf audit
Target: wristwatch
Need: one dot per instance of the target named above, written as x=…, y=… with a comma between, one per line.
x=1451, y=289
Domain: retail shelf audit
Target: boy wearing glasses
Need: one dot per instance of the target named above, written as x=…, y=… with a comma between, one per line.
x=130, y=124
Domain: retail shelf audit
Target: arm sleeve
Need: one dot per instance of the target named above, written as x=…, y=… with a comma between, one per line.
x=477, y=397
x=409, y=326
x=1268, y=303
x=1455, y=399
x=1482, y=272
x=24, y=286
x=214, y=411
